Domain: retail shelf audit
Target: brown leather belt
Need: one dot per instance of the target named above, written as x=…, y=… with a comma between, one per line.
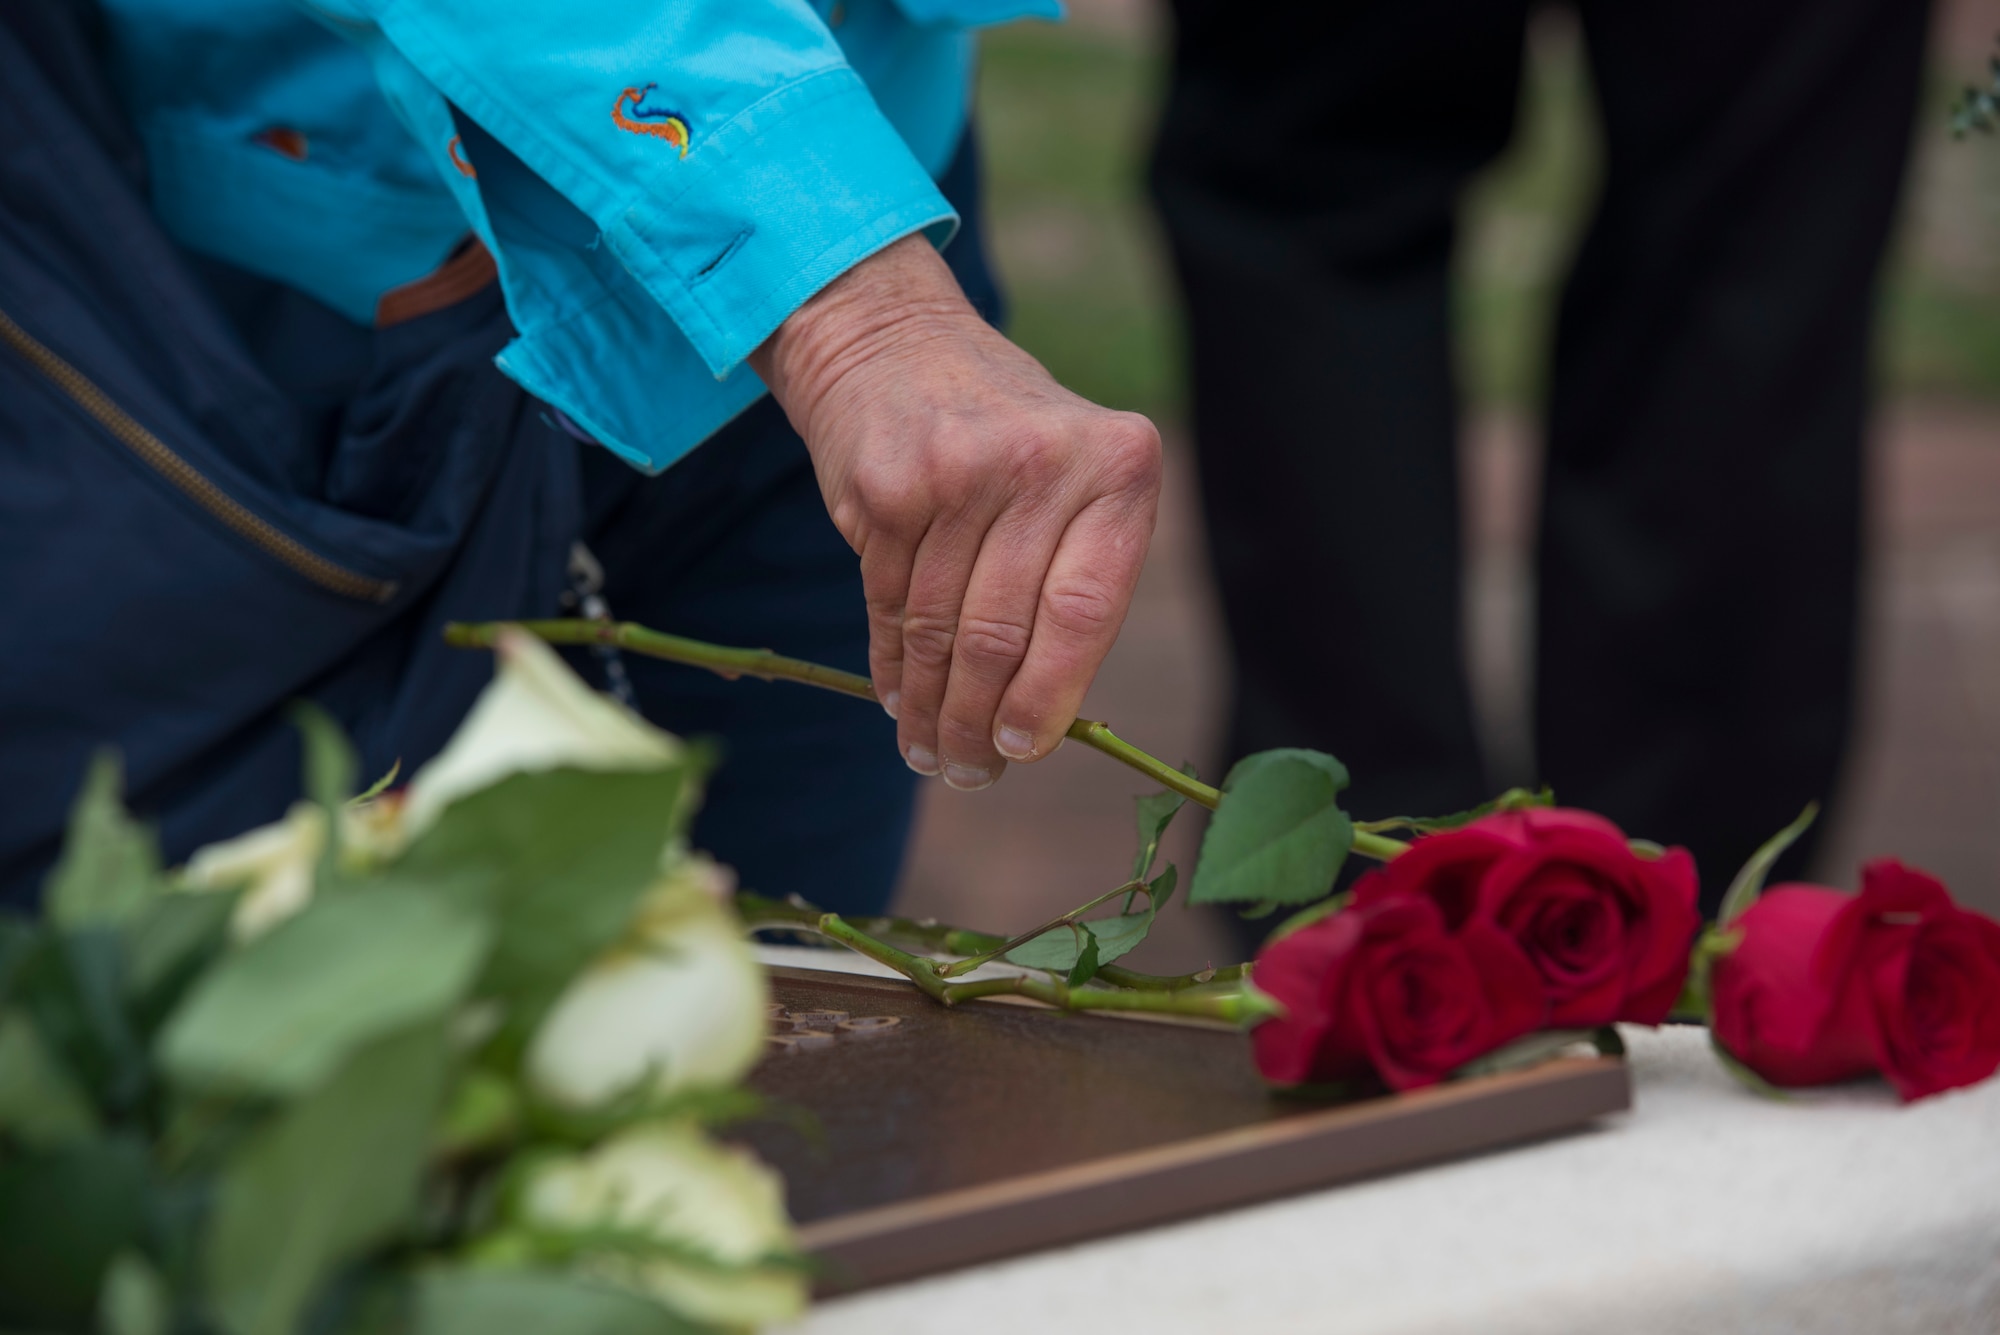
x=469, y=270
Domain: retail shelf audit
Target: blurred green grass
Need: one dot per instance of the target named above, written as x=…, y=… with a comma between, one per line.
x=1066, y=113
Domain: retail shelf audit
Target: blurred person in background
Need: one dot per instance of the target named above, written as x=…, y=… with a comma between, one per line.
x=324, y=324
x=1701, y=508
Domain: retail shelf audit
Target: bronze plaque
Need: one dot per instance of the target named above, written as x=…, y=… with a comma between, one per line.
x=953, y=1136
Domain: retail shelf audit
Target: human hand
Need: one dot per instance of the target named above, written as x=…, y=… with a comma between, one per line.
x=1001, y=520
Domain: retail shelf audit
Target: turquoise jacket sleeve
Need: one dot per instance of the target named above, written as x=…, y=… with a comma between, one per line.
x=663, y=184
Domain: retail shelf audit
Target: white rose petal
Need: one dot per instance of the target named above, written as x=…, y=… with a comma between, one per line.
x=685, y=874
x=536, y=715
x=686, y=1002
x=669, y=1181
x=272, y=865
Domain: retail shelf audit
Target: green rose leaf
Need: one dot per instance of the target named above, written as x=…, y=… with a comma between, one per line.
x=1063, y=950
x=1119, y=935
x=1155, y=812
x=79, y=1001
x=1696, y=1002
x=107, y=878
x=1528, y=1050
x=279, y=1015
x=70, y=986
x=479, y=1302
x=329, y=757
x=330, y=770
x=110, y=865
x=556, y=859
x=20, y=942
x=1057, y=951
x=1749, y=882
x=330, y=1178
x=380, y=786
x=172, y=940
x=135, y=1300
x=1279, y=835
x=1514, y=799
x=63, y=1216
x=1743, y=1075
x=1087, y=960
x=41, y=1106
x=483, y=1112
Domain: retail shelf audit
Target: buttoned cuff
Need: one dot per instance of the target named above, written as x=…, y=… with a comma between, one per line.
x=775, y=204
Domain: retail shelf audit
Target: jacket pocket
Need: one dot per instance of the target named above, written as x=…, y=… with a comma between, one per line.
x=174, y=468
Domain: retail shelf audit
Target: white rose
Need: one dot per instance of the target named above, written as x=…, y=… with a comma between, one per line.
x=272, y=865
x=669, y=1181
x=683, y=1000
x=536, y=715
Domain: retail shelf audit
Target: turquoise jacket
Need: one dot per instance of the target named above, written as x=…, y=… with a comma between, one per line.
x=661, y=182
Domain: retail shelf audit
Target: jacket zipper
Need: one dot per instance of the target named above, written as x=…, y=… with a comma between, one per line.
x=161, y=458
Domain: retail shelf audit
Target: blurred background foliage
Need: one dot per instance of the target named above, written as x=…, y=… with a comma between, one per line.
x=1067, y=112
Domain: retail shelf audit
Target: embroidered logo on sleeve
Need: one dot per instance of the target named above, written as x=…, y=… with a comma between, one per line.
x=657, y=121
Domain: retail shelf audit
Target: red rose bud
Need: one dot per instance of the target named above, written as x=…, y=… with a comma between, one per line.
x=1384, y=988
x=1826, y=986
x=1770, y=1011
x=1607, y=929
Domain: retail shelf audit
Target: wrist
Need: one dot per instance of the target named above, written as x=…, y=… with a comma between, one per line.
x=899, y=296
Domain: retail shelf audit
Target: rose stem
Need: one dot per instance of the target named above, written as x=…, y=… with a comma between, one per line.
x=759, y=912
x=768, y=666
x=1236, y=1006
x=1063, y=920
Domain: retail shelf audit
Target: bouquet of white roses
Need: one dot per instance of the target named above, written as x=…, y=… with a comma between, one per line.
x=440, y=1060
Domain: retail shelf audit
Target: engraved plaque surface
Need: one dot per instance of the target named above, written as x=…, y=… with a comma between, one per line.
x=961, y=1135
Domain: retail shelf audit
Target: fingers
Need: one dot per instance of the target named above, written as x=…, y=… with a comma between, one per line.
x=1081, y=604
x=940, y=572
x=1047, y=595
x=995, y=626
x=886, y=561
x=885, y=511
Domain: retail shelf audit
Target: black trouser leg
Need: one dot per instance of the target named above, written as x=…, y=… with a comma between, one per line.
x=1702, y=514
x=1308, y=170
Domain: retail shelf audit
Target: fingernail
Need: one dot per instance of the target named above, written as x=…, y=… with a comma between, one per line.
x=965, y=778
x=892, y=702
x=1014, y=744
x=921, y=759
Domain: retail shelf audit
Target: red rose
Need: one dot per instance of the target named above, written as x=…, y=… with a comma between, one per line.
x=1827, y=986
x=1385, y=988
x=1608, y=929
